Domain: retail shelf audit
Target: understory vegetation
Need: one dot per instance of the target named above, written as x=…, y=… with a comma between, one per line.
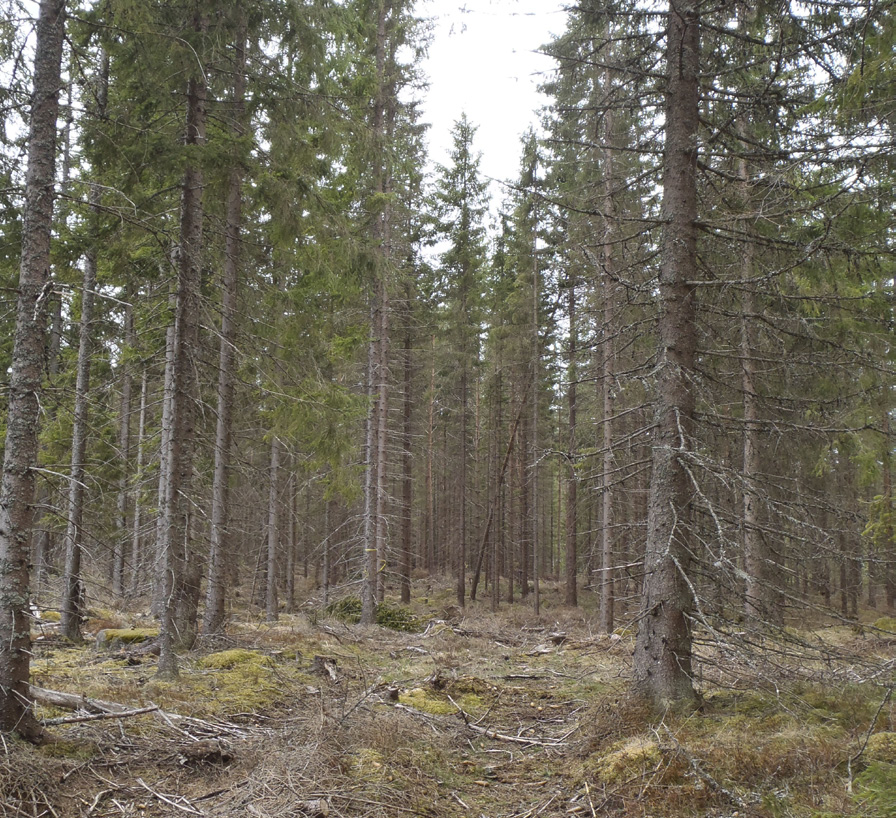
x=495, y=714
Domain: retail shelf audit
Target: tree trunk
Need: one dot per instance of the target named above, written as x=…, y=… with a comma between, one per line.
x=663, y=651
x=407, y=478
x=136, y=533
x=23, y=413
x=124, y=449
x=270, y=598
x=216, y=585
x=571, y=596
x=173, y=510
x=72, y=606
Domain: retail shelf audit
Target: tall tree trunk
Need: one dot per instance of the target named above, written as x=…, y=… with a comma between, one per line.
x=571, y=592
x=23, y=413
x=173, y=511
x=123, y=530
x=216, y=586
x=407, y=477
x=72, y=607
x=663, y=650
x=608, y=371
x=533, y=461
x=460, y=548
x=375, y=484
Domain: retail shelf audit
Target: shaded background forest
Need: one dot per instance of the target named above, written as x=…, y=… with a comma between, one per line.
x=384, y=381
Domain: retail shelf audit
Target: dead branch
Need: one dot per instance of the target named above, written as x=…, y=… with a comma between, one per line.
x=189, y=808
x=123, y=714
x=492, y=734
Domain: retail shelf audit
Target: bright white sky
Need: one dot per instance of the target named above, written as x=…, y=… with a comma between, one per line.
x=482, y=61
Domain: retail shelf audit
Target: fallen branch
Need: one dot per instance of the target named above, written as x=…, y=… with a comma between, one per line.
x=121, y=714
x=189, y=809
x=73, y=701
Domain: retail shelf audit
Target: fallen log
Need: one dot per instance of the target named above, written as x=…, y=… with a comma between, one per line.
x=74, y=701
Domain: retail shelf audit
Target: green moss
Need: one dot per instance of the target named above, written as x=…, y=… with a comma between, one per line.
x=73, y=750
x=881, y=747
x=419, y=699
x=367, y=765
x=886, y=623
x=628, y=759
x=50, y=616
x=128, y=636
x=231, y=658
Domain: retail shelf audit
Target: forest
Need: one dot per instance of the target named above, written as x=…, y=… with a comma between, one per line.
x=266, y=362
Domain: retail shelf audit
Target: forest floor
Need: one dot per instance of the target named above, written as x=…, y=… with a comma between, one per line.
x=475, y=714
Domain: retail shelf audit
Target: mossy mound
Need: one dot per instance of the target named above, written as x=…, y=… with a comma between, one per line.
x=881, y=747
x=421, y=700
x=227, y=659
x=126, y=636
x=50, y=616
x=394, y=617
x=629, y=759
x=886, y=623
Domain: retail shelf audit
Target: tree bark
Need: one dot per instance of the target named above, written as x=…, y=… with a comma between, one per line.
x=23, y=414
x=377, y=421
x=137, y=520
x=663, y=650
x=571, y=596
x=174, y=511
x=271, y=601
x=72, y=607
x=407, y=479
x=124, y=448
x=216, y=586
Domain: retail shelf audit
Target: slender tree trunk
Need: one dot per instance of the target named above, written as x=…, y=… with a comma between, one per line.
x=271, y=602
x=136, y=532
x=663, y=650
x=571, y=592
x=756, y=590
x=607, y=376
x=407, y=497
x=291, y=546
x=216, y=586
x=533, y=461
x=429, y=521
x=888, y=555
x=23, y=413
x=72, y=607
x=124, y=447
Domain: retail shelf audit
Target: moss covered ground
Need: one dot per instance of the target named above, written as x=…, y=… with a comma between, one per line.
x=478, y=714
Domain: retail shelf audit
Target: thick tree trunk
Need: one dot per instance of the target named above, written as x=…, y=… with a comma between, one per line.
x=663, y=650
x=23, y=413
x=216, y=586
x=174, y=509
